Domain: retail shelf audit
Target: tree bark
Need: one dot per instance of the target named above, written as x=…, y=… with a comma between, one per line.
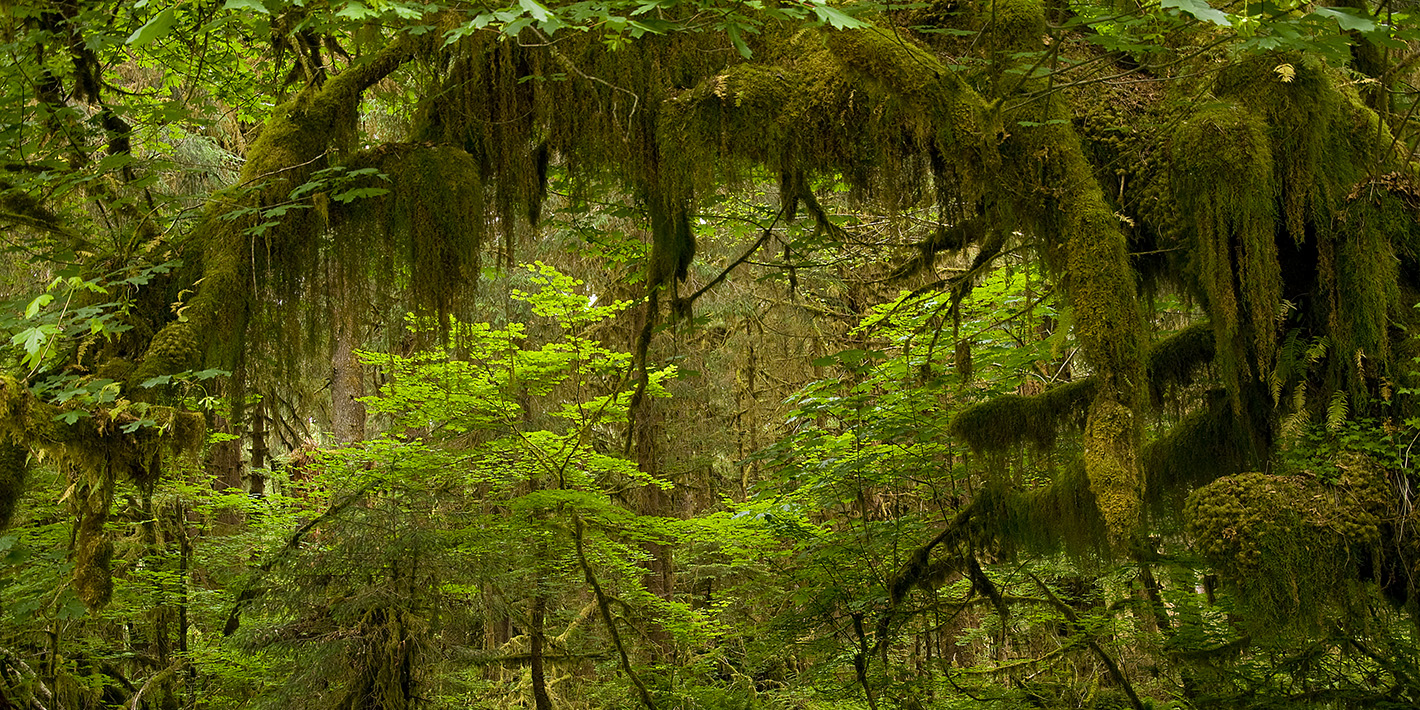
x=654, y=501
x=539, y=680
x=347, y=382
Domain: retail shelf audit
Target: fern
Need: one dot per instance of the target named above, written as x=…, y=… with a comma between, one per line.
x=1338, y=410
x=1295, y=423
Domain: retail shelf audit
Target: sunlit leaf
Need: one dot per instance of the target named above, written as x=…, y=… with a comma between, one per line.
x=1201, y=10
x=158, y=26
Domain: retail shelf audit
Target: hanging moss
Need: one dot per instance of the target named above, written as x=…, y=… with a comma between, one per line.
x=672, y=240
x=1324, y=140
x=1213, y=442
x=426, y=231
x=868, y=105
x=1291, y=546
x=1368, y=293
x=1064, y=204
x=1175, y=360
x=1223, y=180
x=1380, y=267
x=95, y=452
x=14, y=469
x=295, y=143
x=1124, y=134
x=1003, y=422
x=1061, y=515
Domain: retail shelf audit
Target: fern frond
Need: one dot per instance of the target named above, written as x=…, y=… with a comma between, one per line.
x=1338, y=410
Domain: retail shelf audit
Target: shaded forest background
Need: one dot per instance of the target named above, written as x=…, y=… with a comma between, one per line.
x=685, y=354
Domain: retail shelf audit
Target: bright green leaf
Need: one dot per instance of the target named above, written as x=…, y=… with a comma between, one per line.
x=40, y=301
x=160, y=25
x=838, y=19
x=1201, y=10
x=357, y=194
x=539, y=13
x=1348, y=19
x=252, y=5
x=737, y=40
x=355, y=11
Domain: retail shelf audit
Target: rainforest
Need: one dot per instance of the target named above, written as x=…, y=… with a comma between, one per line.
x=741, y=354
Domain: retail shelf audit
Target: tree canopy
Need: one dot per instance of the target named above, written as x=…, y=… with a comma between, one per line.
x=673, y=353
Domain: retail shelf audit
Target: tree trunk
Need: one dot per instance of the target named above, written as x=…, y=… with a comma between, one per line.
x=259, y=450
x=660, y=570
x=539, y=680
x=347, y=382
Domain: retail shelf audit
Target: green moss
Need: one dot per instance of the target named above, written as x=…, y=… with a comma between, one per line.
x=1111, y=440
x=1367, y=292
x=1323, y=142
x=94, y=452
x=426, y=231
x=867, y=105
x=1323, y=137
x=1223, y=180
x=1061, y=515
x=672, y=240
x=1207, y=444
x=14, y=469
x=173, y=349
x=1058, y=198
x=1006, y=421
x=298, y=140
x=1175, y=360
x=1013, y=25
x=1290, y=546
x=1083, y=239
x=93, y=550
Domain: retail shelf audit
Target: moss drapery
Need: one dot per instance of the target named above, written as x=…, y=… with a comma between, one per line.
x=1275, y=201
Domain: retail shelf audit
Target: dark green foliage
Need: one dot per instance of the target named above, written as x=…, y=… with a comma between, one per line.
x=415, y=569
